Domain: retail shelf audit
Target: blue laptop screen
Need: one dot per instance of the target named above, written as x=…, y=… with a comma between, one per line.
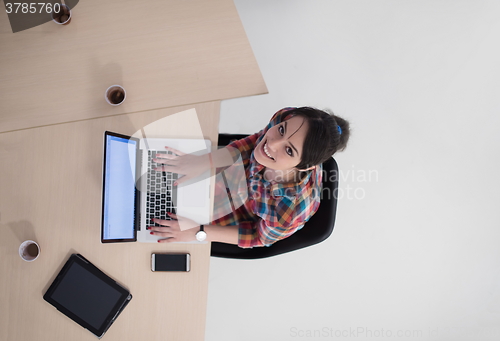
x=119, y=188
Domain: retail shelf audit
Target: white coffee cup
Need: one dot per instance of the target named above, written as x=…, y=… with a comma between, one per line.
x=29, y=250
x=115, y=95
x=63, y=17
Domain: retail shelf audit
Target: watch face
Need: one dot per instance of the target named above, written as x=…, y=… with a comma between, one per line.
x=201, y=236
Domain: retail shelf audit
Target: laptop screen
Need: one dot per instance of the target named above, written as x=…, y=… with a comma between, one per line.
x=119, y=189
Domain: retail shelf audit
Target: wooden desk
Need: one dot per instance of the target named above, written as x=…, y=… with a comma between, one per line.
x=50, y=188
x=165, y=53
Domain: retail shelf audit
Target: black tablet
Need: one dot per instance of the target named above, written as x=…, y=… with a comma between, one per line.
x=87, y=295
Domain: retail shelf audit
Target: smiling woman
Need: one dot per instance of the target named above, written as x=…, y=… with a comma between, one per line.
x=282, y=167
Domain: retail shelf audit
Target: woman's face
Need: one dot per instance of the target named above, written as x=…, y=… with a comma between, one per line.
x=281, y=147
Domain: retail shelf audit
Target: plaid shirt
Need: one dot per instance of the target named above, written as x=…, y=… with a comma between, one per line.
x=267, y=211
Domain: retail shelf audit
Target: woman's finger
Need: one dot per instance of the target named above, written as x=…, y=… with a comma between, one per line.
x=167, y=240
x=162, y=234
x=167, y=168
x=166, y=156
x=160, y=229
x=181, y=179
x=166, y=223
x=164, y=159
x=161, y=168
x=175, y=151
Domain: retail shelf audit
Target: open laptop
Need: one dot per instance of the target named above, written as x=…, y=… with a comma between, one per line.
x=133, y=193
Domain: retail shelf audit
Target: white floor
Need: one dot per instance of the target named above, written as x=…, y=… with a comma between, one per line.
x=415, y=250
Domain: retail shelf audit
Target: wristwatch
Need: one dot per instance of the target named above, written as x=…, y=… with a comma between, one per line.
x=201, y=235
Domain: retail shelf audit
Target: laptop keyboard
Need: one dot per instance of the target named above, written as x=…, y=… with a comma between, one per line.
x=161, y=194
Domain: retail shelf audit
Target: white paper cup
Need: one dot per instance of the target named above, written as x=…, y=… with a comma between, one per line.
x=115, y=95
x=63, y=17
x=29, y=250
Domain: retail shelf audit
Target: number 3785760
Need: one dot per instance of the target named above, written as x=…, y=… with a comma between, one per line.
x=20, y=7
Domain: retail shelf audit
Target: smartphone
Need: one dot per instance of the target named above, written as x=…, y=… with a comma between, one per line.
x=170, y=261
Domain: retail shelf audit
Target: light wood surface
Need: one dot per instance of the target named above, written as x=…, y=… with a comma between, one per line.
x=165, y=53
x=51, y=193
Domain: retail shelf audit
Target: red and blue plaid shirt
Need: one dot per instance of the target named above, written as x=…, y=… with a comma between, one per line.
x=270, y=211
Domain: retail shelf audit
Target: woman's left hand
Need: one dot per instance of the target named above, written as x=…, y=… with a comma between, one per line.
x=171, y=229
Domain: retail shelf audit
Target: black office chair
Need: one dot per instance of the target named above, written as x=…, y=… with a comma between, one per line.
x=317, y=229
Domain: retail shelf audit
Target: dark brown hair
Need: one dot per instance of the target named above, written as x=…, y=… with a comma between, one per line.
x=327, y=135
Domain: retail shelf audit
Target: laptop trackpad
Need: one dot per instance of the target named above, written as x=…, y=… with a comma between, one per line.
x=193, y=196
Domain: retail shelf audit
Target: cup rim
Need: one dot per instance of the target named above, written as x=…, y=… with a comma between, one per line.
x=109, y=88
x=69, y=18
x=24, y=245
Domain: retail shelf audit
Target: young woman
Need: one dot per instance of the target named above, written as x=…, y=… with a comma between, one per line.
x=282, y=166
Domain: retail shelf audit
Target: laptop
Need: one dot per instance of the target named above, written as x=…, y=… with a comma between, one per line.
x=133, y=193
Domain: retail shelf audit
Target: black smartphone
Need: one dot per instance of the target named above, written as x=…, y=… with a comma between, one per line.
x=170, y=262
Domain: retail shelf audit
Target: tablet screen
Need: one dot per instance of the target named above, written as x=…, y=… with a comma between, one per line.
x=86, y=295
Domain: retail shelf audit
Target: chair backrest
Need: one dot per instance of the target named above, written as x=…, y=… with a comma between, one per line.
x=317, y=229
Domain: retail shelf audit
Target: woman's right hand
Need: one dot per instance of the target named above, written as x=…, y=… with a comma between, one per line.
x=181, y=163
